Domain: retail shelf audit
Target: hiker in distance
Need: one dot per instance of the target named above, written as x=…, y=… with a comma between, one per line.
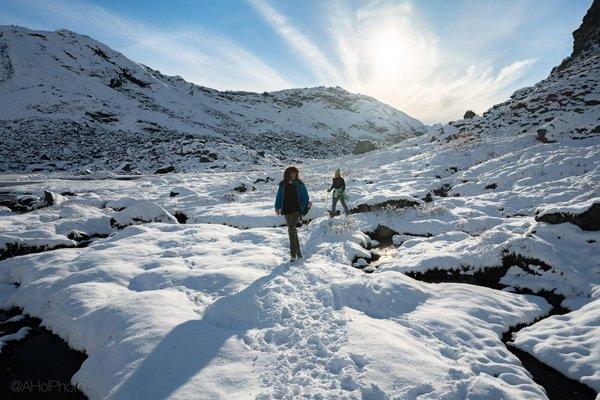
x=292, y=201
x=338, y=185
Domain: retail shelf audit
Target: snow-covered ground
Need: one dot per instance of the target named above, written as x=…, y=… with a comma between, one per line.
x=213, y=309
x=216, y=311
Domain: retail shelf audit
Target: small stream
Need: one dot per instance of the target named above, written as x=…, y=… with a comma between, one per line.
x=557, y=385
x=39, y=366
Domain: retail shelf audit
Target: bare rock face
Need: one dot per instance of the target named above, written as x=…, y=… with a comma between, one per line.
x=586, y=38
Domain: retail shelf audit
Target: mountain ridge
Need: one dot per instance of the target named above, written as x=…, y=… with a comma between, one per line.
x=74, y=85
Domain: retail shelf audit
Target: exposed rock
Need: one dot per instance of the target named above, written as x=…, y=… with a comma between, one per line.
x=443, y=190
x=183, y=191
x=469, y=115
x=241, y=188
x=127, y=167
x=141, y=213
x=78, y=236
x=181, y=217
x=386, y=205
x=586, y=38
x=588, y=220
x=101, y=116
x=363, y=146
x=428, y=198
x=265, y=180
x=541, y=136
x=166, y=170
x=20, y=249
x=51, y=199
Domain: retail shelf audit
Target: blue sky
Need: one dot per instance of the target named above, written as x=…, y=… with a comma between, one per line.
x=433, y=59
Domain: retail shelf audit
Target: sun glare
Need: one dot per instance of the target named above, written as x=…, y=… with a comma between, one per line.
x=391, y=53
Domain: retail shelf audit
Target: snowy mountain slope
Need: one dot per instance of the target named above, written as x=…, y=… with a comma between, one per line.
x=81, y=102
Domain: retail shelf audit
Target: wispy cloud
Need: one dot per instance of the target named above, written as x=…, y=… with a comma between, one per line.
x=311, y=53
x=196, y=54
x=386, y=50
x=383, y=48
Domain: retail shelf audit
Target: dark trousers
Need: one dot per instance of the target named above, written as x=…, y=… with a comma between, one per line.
x=334, y=204
x=291, y=220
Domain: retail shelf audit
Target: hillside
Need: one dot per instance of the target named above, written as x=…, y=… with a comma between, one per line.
x=70, y=102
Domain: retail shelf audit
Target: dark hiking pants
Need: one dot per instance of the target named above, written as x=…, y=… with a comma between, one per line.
x=334, y=204
x=291, y=220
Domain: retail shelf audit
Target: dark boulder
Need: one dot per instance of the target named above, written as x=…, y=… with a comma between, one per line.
x=127, y=168
x=363, y=146
x=243, y=188
x=469, y=115
x=541, y=136
x=49, y=198
x=181, y=217
x=166, y=170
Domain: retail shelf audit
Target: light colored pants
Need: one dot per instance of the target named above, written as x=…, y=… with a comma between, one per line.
x=334, y=204
x=291, y=220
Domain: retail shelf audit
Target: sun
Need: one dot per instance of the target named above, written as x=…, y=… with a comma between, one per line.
x=391, y=53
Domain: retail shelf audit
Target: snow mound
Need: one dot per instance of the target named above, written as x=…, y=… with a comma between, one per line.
x=142, y=213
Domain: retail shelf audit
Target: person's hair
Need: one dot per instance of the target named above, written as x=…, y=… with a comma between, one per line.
x=338, y=173
x=287, y=174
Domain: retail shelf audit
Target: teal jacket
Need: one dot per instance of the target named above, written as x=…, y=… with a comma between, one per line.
x=302, y=195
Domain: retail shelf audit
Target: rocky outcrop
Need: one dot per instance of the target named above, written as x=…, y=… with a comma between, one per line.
x=586, y=38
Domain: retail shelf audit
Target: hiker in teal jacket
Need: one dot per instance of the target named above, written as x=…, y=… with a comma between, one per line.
x=338, y=185
x=292, y=202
